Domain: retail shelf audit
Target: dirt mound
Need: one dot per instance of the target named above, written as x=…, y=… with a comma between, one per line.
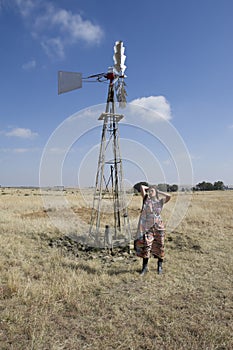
x=86, y=252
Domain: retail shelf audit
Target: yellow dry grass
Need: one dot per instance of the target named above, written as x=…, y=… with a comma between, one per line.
x=53, y=300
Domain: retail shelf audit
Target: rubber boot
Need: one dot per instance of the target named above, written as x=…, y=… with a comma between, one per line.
x=144, y=266
x=160, y=269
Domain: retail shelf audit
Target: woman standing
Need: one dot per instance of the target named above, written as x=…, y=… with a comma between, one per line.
x=151, y=232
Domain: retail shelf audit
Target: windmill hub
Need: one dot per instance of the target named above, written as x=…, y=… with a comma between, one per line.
x=110, y=75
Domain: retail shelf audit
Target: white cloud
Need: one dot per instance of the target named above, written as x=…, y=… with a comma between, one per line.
x=196, y=157
x=57, y=150
x=57, y=28
x=167, y=162
x=153, y=107
x=29, y=65
x=26, y=6
x=1, y=4
x=21, y=133
x=76, y=27
x=20, y=150
x=54, y=47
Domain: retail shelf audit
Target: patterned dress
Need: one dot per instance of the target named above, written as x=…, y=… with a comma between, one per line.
x=151, y=232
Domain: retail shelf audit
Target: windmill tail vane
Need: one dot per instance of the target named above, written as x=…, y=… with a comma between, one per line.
x=68, y=81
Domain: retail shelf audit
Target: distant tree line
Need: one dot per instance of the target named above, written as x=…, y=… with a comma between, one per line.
x=167, y=187
x=201, y=186
x=208, y=186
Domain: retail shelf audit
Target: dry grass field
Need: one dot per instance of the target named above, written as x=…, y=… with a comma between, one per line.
x=53, y=299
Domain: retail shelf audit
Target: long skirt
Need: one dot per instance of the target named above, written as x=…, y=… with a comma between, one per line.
x=151, y=243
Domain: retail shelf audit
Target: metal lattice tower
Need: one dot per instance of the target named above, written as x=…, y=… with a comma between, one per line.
x=109, y=208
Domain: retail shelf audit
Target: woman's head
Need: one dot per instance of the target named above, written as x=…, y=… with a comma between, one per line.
x=152, y=191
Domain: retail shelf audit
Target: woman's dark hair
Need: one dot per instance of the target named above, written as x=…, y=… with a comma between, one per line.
x=144, y=199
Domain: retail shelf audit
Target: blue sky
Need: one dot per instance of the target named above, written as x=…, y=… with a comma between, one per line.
x=179, y=65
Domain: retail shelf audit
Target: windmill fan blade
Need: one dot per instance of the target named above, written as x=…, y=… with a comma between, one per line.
x=68, y=81
x=119, y=57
